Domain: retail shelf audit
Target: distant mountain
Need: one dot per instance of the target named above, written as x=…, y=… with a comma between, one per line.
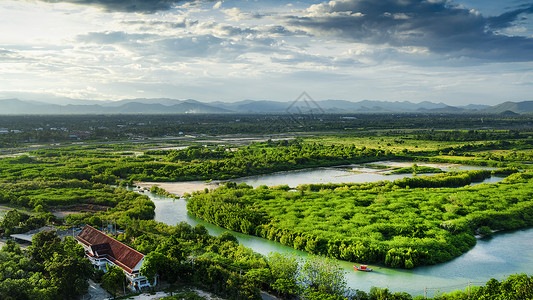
x=163, y=101
x=143, y=106
x=524, y=107
x=253, y=106
x=445, y=110
x=372, y=106
x=474, y=106
x=325, y=106
x=17, y=107
x=175, y=106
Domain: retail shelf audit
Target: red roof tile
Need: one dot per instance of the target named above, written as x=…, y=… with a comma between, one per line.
x=120, y=254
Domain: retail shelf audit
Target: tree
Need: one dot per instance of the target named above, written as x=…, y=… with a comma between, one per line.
x=12, y=219
x=154, y=264
x=45, y=245
x=12, y=247
x=72, y=248
x=284, y=269
x=323, y=275
x=69, y=274
x=114, y=280
x=228, y=236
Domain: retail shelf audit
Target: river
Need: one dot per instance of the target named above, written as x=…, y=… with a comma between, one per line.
x=504, y=254
x=350, y=173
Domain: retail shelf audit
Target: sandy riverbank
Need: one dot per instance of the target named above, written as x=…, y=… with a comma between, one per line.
x=179, y=188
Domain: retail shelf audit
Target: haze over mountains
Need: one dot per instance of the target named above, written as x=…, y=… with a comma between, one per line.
x=305, y=105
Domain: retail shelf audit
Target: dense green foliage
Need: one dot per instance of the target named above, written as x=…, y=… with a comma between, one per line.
x=15, y=221
x=416, y=169
x=114, y=280
x=386, y=223
x=51, y=269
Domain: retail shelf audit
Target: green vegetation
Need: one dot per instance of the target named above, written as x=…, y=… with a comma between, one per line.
x=200, y=163
x=114, y=280
x=51, y=269
x=416, y=169
x=385, y=222
x=15, y=221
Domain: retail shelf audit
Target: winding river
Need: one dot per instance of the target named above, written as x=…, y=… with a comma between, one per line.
x=504, y=254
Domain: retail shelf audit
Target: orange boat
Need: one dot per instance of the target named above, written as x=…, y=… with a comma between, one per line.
x=363, y=268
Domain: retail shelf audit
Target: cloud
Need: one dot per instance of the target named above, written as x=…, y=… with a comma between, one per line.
x=150, y=24
x=235, y=14
x=221, y=43
x=140, y=6
x=506, y=19
x=8, y=55
x=437, y=25
x=111, y=37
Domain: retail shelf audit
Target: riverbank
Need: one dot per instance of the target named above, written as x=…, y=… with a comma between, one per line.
x=179, y=188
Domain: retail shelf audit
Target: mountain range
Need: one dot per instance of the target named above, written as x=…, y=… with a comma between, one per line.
x=173, y=106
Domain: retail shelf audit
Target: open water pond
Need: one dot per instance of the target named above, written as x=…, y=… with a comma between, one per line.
x=350, y=173
x=505, y=254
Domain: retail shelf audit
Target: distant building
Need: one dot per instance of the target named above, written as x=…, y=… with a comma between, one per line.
x=102, y=249
x=4, y=131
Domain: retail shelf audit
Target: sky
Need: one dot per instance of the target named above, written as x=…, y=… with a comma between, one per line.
x=456, y=52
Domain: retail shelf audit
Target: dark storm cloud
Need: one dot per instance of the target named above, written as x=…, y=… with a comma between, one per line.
x=504, y=20
x=434, y=24
x=141, y=6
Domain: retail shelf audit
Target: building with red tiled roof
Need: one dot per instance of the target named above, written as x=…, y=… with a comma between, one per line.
x=102, y=249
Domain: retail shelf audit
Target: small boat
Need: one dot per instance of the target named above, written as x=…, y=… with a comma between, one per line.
x=363, y=268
